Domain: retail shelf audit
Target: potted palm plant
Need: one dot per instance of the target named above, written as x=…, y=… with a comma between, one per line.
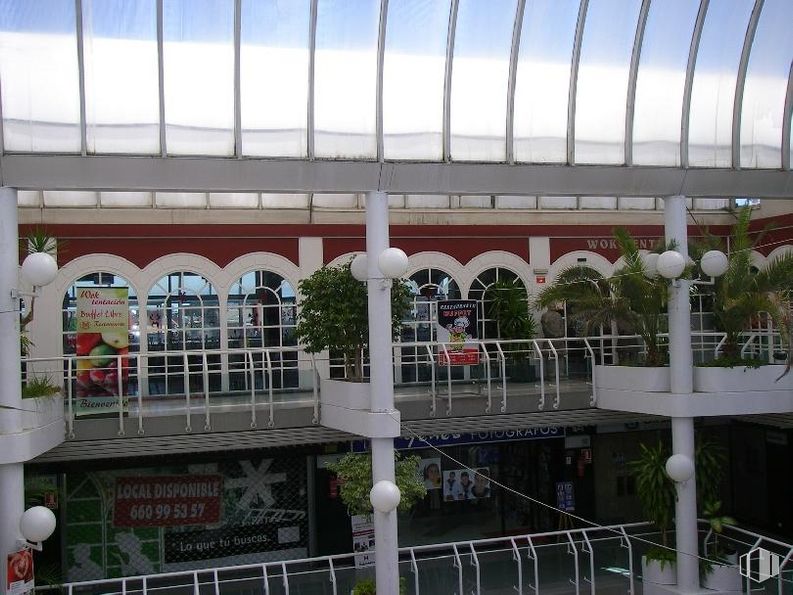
x=738, y=296
x=506, y=302
x=719, y=567
x=630, y=299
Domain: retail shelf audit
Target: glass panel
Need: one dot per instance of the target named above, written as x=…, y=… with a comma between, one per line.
x=396, y=201
x=660, y=82
x=558, y=202
x=516, y=202
x=180, y=200
x=274, y=56
x=38, y=67
x=639, y=202
x=345, y=78
x=233, y=200
x=476, y=202
x=28, y=198
x=710, y=204
x=285, y=201
x=603, y=80
x=59, y=198
x=122, y=106
x=125, y=199
x=336, y=201
x=480, y=74
x=713, y=93
x=598, y=202
x=413, y=77
x=762, y=115
x=427, y=201
x=543, y=80
x=199, y=76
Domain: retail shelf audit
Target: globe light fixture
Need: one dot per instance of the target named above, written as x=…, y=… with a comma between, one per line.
x=37, y=524
x=384, y=496
x=714, y=263
x=650, y=263
x=679, y=468
x=671, y=264
x=359, y=267
x=393, y=263
x=39, y=269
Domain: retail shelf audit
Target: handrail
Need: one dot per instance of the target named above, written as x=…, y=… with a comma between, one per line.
x=434, y=389
x=205, y=376
x=269, y=361
x=487, y=371
x=594, y=398
x=503, y=361
x=558, y=398
x=541, y=404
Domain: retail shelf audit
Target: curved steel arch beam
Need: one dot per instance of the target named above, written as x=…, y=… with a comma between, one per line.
x=78, y=14
x=513, y=72
x=685, y=116
x=786, y=121
x=743, y=66
x=161, y=76
x=571, y=97
x=379, y=86
x=312, y=50
x=237, y=78
x=630, y=104
x=447, y=81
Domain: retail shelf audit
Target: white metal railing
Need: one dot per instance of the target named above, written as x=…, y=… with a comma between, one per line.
x=526, y=564
x=261, y=380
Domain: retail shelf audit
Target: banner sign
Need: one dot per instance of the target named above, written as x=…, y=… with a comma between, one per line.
x=217, y=543
x=167, y=500
x=102, y=335
x=457, y=328
x=464, y=438
x=19, y=572
x=565, y=496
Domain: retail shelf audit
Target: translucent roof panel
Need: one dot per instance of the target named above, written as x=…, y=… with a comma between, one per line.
x=274, y=60
x=660, y=82
x=122, y=108
x=198, y=57
x=38, y=70
x=413, y=79
x=762, y=113
x=713, y=93
x=480, y=75
x=345, y=78
x=606, y=49
x=542, y=80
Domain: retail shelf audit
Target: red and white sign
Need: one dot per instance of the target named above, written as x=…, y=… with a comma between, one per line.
x=457, y=333
x=167, y=500
x=20, y=572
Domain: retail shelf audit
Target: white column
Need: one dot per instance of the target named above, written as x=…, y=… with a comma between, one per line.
x=681, y=372
x=11, y=475
x=382, y=388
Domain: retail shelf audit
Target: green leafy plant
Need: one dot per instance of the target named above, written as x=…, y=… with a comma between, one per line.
x=743, y=291
x=333, y=315
x=629, y=298
x=355, y=477
x=368, y=587
x=506, y=302
x=39, y=386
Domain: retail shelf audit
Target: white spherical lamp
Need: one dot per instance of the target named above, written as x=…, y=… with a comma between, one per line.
x=359, y=267
x=714, y=263
x=37, y=524
x=39, y=269
x=384, y=496
x=650, y=263
x=393, y=263
x=671, y=264
x=679, y=468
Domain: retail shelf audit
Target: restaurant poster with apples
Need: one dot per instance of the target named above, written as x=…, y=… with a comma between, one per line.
x=102, y=350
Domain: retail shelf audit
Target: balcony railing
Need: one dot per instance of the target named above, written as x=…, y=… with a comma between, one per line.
x=592, y=560
x=199, y=384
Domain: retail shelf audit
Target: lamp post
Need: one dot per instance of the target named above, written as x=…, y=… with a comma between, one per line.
x=671, y=264
x=39, y=271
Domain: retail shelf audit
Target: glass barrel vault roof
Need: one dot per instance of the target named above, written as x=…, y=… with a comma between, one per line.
x=664, y=83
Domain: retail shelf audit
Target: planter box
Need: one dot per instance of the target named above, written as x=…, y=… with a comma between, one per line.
x=633, y=378
x=345, y=406
x=724, y=579
x=343, y=393
x=41, y=412
x=741, y=379
x=654, y=574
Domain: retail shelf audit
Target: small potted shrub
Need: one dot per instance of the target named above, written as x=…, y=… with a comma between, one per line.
x=506, y=302
x=719, y=567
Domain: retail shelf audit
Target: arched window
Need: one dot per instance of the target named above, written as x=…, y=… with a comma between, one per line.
x=488, y=327
x=260, y=312
x=182, y=313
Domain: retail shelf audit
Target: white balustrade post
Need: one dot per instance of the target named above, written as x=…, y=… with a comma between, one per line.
x=682, y=380
x=11, y=474
x=382, y=388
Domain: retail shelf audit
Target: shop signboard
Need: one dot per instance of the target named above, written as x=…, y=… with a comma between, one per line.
x=464, y=438
x=19, y=572
x=457, y=333
x=102, y=336
x=167, y=501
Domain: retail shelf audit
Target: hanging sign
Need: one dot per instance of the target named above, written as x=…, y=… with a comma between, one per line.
x=102, y=336
x=19, y=572
x=457, y=332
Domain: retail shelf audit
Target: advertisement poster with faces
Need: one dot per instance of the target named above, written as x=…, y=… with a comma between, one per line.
x=466, y=484
x=457, y=331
